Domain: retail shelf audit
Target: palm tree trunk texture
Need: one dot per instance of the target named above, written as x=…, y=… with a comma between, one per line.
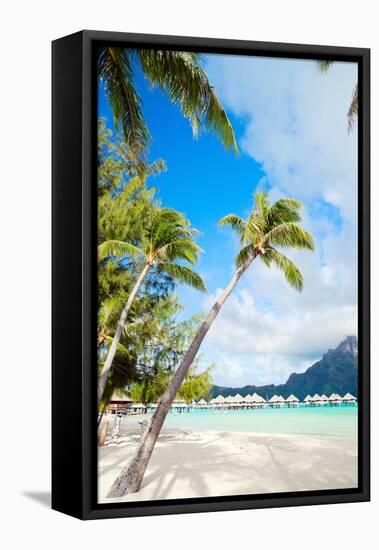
x=103, y=433
x=130, y=478
x=116, y=339
x=100, y=416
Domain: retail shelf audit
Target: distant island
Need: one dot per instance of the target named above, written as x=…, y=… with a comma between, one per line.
x=336, y=372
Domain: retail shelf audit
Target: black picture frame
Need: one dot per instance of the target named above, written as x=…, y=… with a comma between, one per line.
x=74, y=433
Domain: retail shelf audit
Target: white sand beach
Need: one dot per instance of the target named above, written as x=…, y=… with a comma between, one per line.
x=200, y=463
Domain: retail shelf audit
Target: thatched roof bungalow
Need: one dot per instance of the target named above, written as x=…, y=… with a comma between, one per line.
x=119, y=402
x=335, y=399
x=292, y=400
x=349, y=398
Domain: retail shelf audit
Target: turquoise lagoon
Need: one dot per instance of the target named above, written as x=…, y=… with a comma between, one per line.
x=325, y=421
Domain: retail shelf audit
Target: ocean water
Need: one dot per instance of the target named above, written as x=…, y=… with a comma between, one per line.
x=327, y=421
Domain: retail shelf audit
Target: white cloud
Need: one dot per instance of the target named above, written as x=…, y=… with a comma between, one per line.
x=283, y=328
x=295, y=126
x=261, y=368
x=295, y=123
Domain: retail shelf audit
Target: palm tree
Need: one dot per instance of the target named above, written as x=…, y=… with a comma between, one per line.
x=169, y=239
x=352, y=112
x=267, y=226
x=180, y=74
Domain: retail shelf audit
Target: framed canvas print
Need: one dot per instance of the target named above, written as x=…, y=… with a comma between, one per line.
x=210, y=274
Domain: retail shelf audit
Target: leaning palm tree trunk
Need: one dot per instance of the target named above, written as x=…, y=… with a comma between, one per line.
x=130, y=479
x=116, y=339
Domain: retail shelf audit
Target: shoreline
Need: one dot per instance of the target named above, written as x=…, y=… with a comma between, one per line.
x=190, y=463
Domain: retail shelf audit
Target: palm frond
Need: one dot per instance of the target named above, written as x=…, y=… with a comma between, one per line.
x=262, y=202
x=244, y=254
x=290, y=235
x=183, y=248
x=168, y=228
x=122, y=353
x=290, y=270
x=133, y=328
x=133, y=186
x=111, y=308
x=267, y=225
x=255, y=227
x=184, y=275
x=236, y=223
x=165, y=224
x=117, y=249
x=217, y=121
x=115, y=71
x=353, y=109
x=283, y=211
x=324, y=65
x=181, y=75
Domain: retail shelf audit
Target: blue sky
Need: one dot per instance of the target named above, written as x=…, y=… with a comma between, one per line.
x=200, y=180
x=290, y=124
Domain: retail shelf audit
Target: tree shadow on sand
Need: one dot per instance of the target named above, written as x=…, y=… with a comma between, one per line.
x=185, y=467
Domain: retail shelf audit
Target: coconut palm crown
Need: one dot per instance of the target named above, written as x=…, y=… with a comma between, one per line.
x=180, y=74
x=267, y=227
x=169, y=239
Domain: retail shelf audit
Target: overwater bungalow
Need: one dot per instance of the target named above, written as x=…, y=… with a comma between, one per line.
x=308, y=400
x=248, y=401
x=316, y=399
x=349, y=399
x=281, y=401
x=277, y=401
x=179, y=405
x=229, y=401
x=235, y=401
x=273, y=400
x=292, y=401
x=219, y=402
x=245, y=399
x=324, y=399
x=239, y=401
x=335, y=399
x=259, y=399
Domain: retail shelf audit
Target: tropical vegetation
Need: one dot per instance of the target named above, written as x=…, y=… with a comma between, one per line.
x=144, y=249
x=129, y=216
x=179, y=74
x=150, y=389
x=167, y=240
x=268, y=230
